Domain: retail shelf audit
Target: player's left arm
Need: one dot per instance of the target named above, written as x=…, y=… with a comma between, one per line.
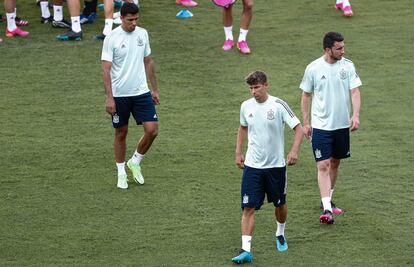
x=356, y=106
x=292, y=156
x=150, y=71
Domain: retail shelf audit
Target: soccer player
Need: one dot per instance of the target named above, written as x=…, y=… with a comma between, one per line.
x=245, y=20
x=344, y=6
x=126, y=65
x=330, y=82
x=262, y=120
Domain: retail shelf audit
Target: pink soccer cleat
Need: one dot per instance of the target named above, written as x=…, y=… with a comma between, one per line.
x=243, y=47
x=338, y=6
x=326, y=217
x=347, y=11
x=187, y=3
x=16, y=32
x=228, y=45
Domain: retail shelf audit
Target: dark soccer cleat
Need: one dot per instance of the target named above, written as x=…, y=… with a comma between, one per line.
x=70, y=36
x=87, y=18
x=46, y=20
x=100, y=37
x=61, y=24
x=326, y=217
x=243, y=257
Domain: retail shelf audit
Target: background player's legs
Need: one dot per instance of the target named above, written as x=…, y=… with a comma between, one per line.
x=324, y=182
x=150, y=133
x=333, y=172
x=76, y=32
x=247, y=227
x=245, y=20
x=12, y=29
x=228, y=28
x=120, y=143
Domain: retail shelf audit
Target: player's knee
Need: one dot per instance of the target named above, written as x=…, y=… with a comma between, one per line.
x=248, y=5
x=323, y=166
x=152, y=133
x=120, y=134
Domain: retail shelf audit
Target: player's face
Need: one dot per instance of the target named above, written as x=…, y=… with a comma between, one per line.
x=337, y=51
x=129, y=22
x=259, y=91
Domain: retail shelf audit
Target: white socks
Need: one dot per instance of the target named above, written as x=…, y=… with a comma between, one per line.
x=108, y=26
x=121, y=168
x=246, y=242
x=44, y=8
x=280, y=230
x=57, y=13
x=326, y=201
x=11, y=22
x=242, y=35
x=228, y=31
x=76, y=24
x=136, y=158
x=332, y=190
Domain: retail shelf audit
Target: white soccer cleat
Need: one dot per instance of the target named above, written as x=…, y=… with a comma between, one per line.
x=122, y=181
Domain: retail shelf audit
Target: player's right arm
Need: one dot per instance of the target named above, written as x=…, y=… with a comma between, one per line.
x=305, y=106
x=241, y=136
x=106, y=75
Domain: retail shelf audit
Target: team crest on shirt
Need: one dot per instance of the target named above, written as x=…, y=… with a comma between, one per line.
x=318, y=154
x=245, y=199
x=140, y=41
x=270, y=115
x=342, y=74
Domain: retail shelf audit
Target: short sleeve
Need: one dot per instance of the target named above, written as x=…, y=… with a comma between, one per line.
x=307, y=81
x=107, y=51
x=354, y=80
x=243, y=120
x=288, y=116
x=147, y=51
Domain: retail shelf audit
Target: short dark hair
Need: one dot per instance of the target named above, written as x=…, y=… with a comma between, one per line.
x=129, y=8
x=330, y=38
x=256, y=77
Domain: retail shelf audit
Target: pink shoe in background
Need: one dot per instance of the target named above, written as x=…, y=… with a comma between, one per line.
x=187, y=3
x=228, y=45
x=347, y=11
x=243, y=47
x=16, y=32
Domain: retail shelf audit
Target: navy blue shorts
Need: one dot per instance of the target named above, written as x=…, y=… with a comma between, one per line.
x=330, y=144
x=258, y=182
x=141, y=106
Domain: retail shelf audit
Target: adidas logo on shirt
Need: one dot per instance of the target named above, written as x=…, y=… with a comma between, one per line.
x=251, y=115
x=323, y=77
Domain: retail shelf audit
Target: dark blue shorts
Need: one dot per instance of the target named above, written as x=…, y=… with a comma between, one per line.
x=141, y=106
x=258, y=182
x=330, y=144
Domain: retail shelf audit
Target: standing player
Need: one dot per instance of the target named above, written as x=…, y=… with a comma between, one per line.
x=330, y=81
x=262, y=120
x=126, y=62
x=245, y=20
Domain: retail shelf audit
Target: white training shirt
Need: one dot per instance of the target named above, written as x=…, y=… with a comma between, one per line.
x=265, y=123
x=330, y=85
x=126, y=51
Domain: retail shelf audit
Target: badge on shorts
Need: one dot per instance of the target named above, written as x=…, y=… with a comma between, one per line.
x=318, y=154
x=245, y=199
x=342, y=74
x=115, y=118
x=270, y=115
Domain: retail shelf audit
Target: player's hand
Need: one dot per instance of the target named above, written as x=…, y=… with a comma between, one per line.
x=354, y=123
x=307, y=131
x=110, y=105
x=240, y=161
x=292, y=158
x=155, y=97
